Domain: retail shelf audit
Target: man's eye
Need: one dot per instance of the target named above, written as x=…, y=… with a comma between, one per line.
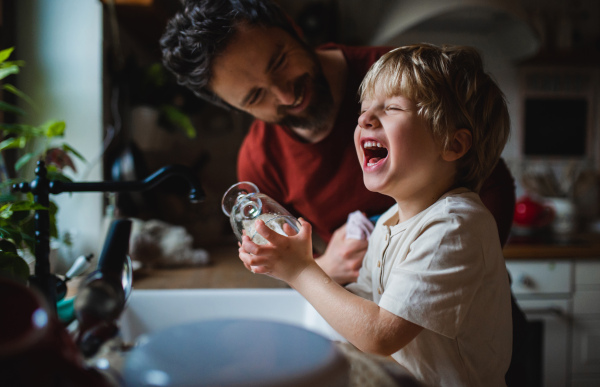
x=280, y=62
x=255, y=97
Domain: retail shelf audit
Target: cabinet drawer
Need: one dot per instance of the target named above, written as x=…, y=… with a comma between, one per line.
x=530, y=278
x=587, y=274
x=586, y=302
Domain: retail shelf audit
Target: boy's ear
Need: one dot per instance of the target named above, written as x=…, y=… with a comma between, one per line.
x=460, y=144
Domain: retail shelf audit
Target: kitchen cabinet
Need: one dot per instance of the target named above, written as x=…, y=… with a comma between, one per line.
x=543, y=290
x=558, y=288
x=586, y=324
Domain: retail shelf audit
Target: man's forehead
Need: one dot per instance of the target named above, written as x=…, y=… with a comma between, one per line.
x=245, y=61
x=255, y=42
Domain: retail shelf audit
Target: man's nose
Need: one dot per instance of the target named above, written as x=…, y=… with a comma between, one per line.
x=284, y=92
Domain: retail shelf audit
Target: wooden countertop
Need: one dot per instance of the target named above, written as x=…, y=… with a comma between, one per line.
x=578, y=247
x=226, y=270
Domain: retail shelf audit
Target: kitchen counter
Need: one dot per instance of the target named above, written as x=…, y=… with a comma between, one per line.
x=227, y=271
x=584, y=246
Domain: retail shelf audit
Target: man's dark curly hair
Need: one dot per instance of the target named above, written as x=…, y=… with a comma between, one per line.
x=203, y=29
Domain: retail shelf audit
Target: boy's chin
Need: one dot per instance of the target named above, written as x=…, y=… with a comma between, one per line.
x=372, y=186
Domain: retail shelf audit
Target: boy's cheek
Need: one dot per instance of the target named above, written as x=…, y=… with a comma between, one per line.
x=357, y=146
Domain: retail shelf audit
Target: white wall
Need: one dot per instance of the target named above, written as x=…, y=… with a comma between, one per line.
x=61, y=43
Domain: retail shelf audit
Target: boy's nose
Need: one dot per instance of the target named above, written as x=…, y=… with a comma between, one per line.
x=367, y=120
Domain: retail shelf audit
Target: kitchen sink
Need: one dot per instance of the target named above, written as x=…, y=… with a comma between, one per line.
x=148, y=311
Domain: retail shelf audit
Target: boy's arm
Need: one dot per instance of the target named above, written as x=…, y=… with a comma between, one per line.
x=362, y=322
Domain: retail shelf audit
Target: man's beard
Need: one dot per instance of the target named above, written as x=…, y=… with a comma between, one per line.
x=317, y=114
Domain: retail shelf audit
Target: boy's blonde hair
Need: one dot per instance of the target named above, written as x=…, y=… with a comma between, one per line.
x=452, y=91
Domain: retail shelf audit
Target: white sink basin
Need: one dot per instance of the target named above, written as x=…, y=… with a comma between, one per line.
x=148, y=311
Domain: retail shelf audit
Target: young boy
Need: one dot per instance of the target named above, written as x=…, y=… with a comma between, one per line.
x=433, y=291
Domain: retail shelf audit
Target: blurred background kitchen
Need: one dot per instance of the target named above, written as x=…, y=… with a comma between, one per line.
x=96, y=65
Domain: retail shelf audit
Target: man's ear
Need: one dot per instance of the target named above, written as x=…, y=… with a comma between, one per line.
x=460, y=144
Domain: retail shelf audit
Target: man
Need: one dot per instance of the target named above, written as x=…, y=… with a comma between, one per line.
x=246, y=55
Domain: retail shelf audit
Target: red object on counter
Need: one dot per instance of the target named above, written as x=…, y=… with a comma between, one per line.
x=530, y=213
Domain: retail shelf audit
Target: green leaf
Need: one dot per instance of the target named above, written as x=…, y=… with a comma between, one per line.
x=9, y=63
x=13, y=142
x=27, y=232
x=70, y=149
x=53, y=229
x=9, y=232
x=11, y=89
x=20, y=129
x=8, y=210
x=8, y=246
x=179, y=119
x=58, y=176
x=9, y=70
x=11, y=108
x=23, y=160
x=156, y=75
x=5, y=54
x=16, y=219
x=24, y=205
x=54, y=128
x=14, y=266
x=51, y=170
x=7, y=196
x=15, y=235
x=6, y=213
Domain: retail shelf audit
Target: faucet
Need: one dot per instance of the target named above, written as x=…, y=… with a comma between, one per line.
x=41, y=188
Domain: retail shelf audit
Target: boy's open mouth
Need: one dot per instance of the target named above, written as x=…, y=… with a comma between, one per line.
x=374, y=152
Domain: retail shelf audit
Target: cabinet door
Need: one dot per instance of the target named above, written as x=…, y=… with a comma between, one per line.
x=587, y=274
x=586, y=325
x=586, y=348
x=586, y=303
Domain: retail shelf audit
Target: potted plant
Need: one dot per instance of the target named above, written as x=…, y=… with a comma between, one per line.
x=31, y=143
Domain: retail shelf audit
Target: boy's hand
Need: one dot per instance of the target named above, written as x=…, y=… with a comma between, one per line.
x=283, y=257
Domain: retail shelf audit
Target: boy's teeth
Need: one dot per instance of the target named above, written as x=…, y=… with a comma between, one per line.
x=373, y=144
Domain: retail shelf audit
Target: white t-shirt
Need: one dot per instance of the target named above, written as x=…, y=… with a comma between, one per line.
x=443, y=269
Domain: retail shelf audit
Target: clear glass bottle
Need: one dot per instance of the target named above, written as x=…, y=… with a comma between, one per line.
x=244, y=204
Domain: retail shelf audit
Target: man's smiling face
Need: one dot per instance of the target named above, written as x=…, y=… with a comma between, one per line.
x=269, y=74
